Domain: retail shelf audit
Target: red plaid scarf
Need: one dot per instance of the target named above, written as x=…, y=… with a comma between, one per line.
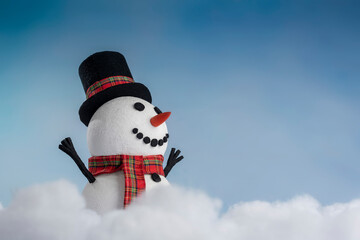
x=134, y=168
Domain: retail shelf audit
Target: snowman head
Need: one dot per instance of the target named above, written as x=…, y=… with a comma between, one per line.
x=118, y=110
x=127, y=125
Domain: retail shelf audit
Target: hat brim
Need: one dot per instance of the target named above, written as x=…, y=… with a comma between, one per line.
x=89, y=107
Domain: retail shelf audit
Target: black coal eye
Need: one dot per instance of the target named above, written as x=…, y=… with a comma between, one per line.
x=139, y=106
x=157, y=110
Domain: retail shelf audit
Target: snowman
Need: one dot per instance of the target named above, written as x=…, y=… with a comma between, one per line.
x=126, y=135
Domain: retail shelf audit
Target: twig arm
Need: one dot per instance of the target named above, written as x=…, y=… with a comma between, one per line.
x=172, y=160
x=67, y=147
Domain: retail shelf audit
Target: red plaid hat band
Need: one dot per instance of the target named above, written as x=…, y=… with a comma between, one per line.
x=106, y=83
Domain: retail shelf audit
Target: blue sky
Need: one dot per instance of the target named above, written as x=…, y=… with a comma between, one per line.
x=264, y=94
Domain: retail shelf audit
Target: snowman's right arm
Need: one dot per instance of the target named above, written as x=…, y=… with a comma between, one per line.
x=173, y=159
x=67, y=147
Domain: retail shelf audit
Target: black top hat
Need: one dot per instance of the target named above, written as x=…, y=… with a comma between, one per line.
x=105, y=76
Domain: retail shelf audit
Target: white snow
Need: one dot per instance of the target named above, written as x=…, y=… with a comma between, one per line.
x=57, y=211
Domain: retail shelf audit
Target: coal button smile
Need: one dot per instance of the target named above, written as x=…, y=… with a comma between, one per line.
x=154, y=142
x=146, y=140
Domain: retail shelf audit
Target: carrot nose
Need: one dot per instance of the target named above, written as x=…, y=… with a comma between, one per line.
x=159, y=119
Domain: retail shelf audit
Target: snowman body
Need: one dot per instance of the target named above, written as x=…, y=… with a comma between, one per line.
x=118, y=127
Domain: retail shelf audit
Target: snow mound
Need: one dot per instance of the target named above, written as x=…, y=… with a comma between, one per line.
x=57, y=211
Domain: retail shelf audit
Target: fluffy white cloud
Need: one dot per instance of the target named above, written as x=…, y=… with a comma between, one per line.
x=47, y=211
x=57, y=211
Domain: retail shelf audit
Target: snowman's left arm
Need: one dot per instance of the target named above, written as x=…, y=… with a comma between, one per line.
x=68, y=147
x=172, y=160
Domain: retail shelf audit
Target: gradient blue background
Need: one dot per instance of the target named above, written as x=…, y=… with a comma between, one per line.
x=264, y=94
